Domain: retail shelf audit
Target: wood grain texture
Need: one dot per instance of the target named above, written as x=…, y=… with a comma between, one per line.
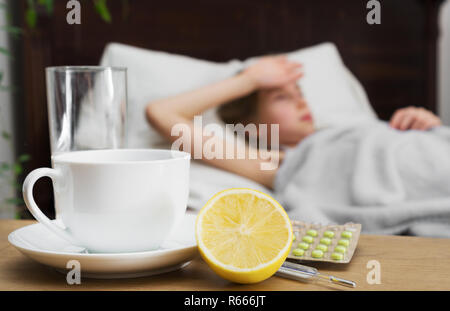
x=407, y=263
x=395, y=61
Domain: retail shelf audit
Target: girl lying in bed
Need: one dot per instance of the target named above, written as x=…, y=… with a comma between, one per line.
x=264, y=93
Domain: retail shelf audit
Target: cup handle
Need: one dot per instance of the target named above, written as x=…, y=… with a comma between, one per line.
x=27, y=190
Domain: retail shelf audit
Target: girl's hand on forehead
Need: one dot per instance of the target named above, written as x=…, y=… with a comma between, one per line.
x=273, y=72
x=414, y=118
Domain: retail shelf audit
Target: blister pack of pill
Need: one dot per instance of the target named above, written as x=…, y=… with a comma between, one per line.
x=329, y=243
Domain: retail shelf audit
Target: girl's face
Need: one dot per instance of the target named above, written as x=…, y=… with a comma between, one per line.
x=287, y=107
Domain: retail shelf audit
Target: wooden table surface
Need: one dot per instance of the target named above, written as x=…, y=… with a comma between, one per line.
x=407, y=263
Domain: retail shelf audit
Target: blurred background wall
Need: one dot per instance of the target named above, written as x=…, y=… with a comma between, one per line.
x=6, y=122
x=444, y=63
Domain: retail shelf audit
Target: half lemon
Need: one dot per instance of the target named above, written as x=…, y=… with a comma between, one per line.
x=244, y=235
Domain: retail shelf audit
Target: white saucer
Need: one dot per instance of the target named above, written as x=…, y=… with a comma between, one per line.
x=41, y=245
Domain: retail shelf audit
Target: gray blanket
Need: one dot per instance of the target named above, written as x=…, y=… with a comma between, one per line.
x=392, y=182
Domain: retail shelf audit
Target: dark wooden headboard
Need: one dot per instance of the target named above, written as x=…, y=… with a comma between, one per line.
x=395, y=61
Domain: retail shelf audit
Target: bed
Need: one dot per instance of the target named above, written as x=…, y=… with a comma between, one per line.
x=395, y=61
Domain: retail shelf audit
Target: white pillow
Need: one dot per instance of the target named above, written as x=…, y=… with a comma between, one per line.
x=334, y=95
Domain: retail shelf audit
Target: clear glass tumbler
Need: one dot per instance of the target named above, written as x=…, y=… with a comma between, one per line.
x=87, y=107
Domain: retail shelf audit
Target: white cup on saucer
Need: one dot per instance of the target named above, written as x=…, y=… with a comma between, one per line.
x=115, y=200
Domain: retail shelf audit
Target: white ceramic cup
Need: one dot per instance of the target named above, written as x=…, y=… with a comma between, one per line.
x=121, y=200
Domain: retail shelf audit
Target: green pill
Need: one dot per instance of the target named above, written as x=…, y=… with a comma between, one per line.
x=322, y=247
x=303, y=245
x=346, y=234
x=312, y=232
x=337, y=256
x=344, y=242
x=308, y=239
x=298, y=252
x=340, y=249
x=328, y=234
x=317, y=253
x=326, y=241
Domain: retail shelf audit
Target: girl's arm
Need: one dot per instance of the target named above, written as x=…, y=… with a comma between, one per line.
x=182, y=108
x=269, y=72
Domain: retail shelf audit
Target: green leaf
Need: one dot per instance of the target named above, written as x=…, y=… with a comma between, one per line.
x=5, y=51
x=24, y=158
x=14, y=201
x=17, y=168
x=8, y=17
x=48, y=5
x=4, y=166
x=15, y=31
x=6, y=88
x=6, y=135
x=31, y=17
x=1, y=76
x=102, y=10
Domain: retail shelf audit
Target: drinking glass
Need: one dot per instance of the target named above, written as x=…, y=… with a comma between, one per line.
x=87, y=107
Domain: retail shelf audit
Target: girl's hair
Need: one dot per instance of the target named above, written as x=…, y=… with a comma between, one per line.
x=240, y=110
